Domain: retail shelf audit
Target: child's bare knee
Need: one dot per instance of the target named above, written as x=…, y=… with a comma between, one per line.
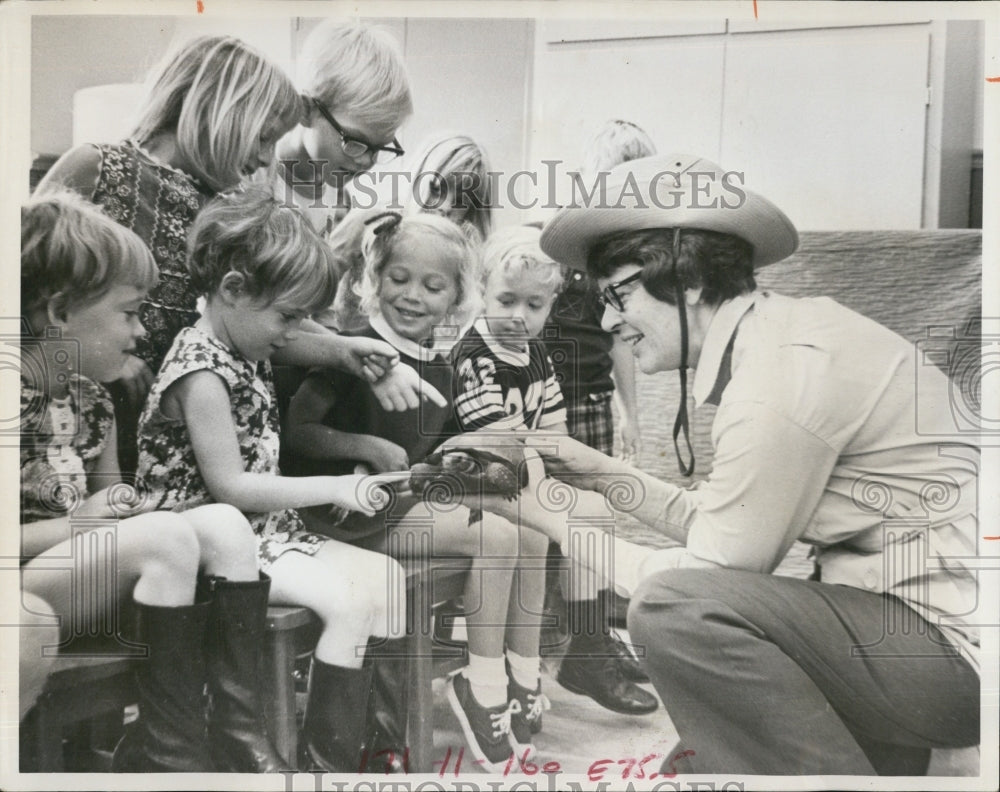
x=171, y=541
x=222, y=528
x=499, y=536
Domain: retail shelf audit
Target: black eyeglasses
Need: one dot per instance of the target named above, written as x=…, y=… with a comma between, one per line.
x=610, y=296
x=355, y=148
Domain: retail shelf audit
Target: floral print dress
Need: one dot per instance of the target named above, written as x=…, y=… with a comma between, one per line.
x=167, y=465
x=61, y=441
x=159, y=203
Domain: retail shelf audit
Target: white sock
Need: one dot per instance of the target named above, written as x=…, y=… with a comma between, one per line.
x=525, y=670
x=488, y=679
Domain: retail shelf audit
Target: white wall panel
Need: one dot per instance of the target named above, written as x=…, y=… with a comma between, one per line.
x=830, y=124
x=672, y=88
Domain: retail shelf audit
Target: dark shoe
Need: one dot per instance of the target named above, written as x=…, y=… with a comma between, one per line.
x=614, y=607
x=336, y=715
x=486, y=729
x=631, y=668
x=237, y=728
x=597, y=673
x=170, y=734
x=528, y=720
x=385, y=746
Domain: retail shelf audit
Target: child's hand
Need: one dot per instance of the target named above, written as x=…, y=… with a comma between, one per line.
x=367, y=494
x=374, y=367
x=402, y=389
x=370, y=353
x=384, y=455
x=116, y=501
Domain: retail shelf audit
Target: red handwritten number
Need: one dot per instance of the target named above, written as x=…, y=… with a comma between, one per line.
x=201, y=6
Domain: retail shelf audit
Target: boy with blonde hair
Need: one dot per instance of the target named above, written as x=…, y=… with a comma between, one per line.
x=357, y=96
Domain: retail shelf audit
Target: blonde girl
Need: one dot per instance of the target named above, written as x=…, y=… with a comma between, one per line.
x=83, y=278
x=419, y=286
x=209, y=433
x=449, y=175
x=213, y=112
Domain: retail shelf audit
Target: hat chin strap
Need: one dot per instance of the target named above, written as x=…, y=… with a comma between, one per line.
x=681, y=423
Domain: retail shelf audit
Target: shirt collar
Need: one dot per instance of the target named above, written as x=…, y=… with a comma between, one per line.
x=713, y=350
x=409, y=347
x=519, y=356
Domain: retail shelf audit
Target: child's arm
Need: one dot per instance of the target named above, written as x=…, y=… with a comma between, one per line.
x=37, y=537
x=77, y=170
x=396, y=386
x=202, y=401
x=308, y=436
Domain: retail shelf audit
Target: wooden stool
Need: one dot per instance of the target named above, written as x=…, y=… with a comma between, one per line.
x=292, y=632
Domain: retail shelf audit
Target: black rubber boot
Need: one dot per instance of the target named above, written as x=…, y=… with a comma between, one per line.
x=169, y=735
x=237, y=728
x=385, y=747
x=333, y=734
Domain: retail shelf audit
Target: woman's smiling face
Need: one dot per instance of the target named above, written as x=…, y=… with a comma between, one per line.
x=649, y=326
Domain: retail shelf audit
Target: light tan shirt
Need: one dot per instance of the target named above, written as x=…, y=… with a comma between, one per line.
x=816, y=439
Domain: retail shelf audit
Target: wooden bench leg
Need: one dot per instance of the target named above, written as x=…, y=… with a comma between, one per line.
x=280, y=705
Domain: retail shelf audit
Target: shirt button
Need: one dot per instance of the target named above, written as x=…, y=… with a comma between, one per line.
x=871, y=579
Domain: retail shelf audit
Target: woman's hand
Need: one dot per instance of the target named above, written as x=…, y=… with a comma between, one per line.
x=576, y=462
x=631, y=442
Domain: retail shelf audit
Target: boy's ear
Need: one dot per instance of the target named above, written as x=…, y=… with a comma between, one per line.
x=233, y=286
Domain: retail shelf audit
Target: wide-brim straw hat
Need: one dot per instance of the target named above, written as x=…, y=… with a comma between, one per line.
x=669, y=191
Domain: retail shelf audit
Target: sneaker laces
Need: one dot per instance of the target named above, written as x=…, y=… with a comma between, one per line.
x=501, y=720
x=537, y=704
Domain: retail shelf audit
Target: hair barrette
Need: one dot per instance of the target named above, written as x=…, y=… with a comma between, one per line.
x=384, y=222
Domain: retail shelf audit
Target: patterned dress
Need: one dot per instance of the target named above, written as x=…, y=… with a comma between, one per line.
x=159, y=203
x=167, y=465
x=61, y=441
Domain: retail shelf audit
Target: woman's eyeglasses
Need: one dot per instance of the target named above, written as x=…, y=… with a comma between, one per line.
x=355, y=148
x=611, y=296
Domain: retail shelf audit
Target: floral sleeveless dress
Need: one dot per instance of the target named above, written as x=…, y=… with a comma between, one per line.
x=159, y=203
x=167, y=465
x=61, y=441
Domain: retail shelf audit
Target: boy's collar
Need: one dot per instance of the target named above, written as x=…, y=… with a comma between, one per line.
x=442, y=344
x=517, y=354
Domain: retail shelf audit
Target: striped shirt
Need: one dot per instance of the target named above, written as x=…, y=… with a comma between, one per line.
x=501, y=388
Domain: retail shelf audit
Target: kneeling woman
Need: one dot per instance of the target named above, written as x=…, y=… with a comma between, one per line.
x=763, y=674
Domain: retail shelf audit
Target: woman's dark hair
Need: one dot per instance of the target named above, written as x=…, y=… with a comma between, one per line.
x=720, y=264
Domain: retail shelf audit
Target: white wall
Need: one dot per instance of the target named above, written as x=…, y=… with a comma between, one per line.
x=828, y=121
